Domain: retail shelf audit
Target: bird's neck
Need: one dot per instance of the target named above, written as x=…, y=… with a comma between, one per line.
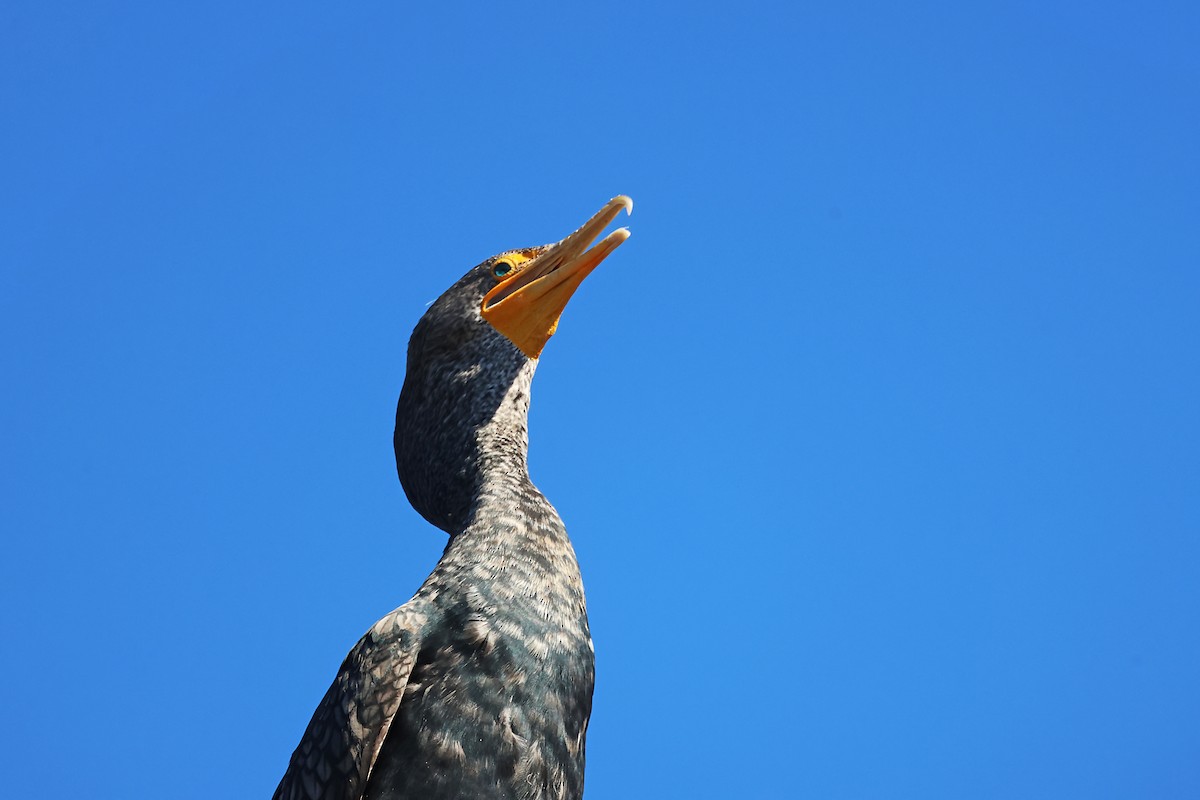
x=461, y=436
x=510, y=530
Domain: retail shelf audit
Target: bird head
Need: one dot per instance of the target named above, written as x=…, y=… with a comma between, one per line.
x=519, y=294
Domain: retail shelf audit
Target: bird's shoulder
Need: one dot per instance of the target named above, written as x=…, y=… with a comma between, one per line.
x=342, y=741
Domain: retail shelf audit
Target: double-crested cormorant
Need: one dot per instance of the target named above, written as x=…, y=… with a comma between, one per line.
x=481, y=685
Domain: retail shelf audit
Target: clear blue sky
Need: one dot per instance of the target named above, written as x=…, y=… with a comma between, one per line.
x=879, y=440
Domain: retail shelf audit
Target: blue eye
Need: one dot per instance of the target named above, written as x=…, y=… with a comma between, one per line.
x=501, y=269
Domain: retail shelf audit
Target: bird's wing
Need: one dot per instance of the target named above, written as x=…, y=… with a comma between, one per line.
x=339, y=747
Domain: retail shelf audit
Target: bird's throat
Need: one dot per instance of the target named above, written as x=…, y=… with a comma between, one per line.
x=459, y=436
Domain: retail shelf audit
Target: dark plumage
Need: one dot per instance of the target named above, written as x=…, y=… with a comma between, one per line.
x=481, y=685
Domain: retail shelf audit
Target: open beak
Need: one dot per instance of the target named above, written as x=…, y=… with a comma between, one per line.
x=526, y=306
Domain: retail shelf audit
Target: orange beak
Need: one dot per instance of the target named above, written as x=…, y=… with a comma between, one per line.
x=526, y=305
